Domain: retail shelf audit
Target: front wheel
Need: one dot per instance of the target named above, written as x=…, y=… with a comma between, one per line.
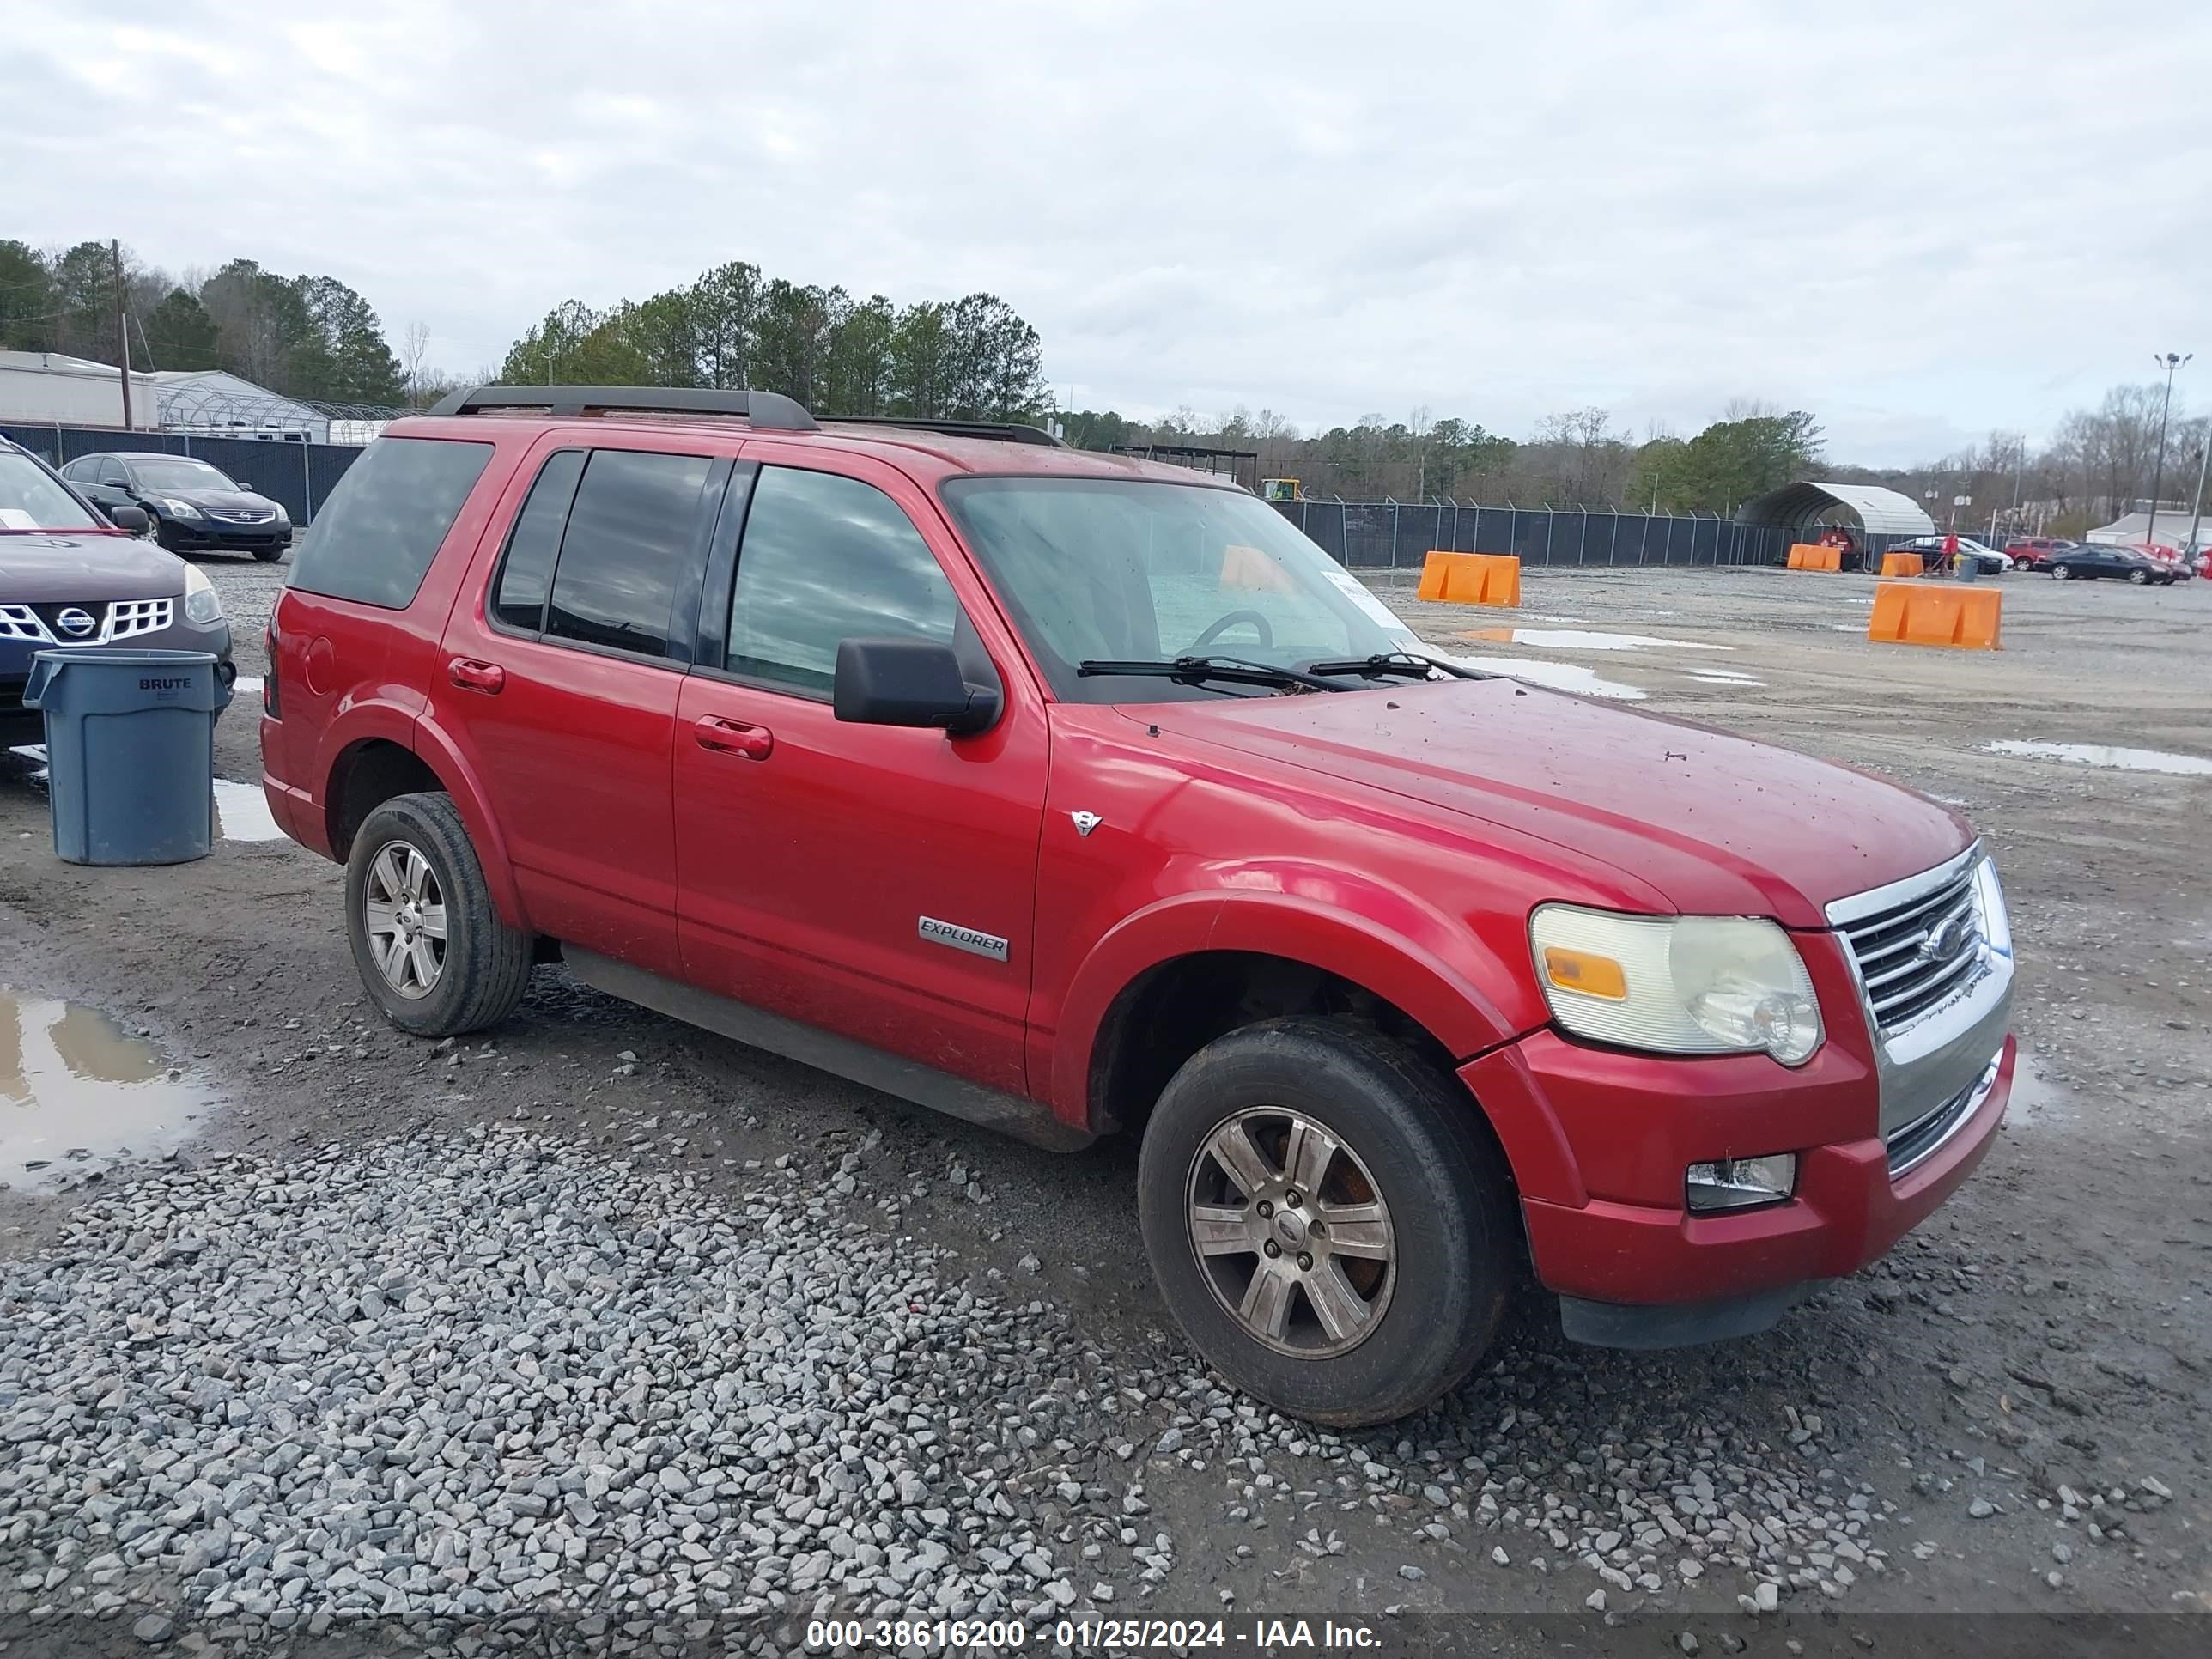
x=2064, y=573
x=1327, y=1221
x=428, y=945
x=2140, y=577
x=271, y=554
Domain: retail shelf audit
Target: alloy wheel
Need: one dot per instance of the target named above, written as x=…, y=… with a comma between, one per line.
x=1292, y=1233
x=404, y=914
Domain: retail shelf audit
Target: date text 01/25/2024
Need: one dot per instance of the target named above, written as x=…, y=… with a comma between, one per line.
x=1094, y=1631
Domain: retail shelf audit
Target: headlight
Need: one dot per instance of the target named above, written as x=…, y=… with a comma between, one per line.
x=1680, y=985
x=201, y=603
x=178, y=509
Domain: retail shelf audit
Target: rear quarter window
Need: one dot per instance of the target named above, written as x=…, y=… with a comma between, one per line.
x=376, y=536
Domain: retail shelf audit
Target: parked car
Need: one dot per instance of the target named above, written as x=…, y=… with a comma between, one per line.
x=1078, y=794
x=2169, y=558
x=194, y=508
x=2033, y=552
x=1988, y=561
x=2094, y=560
x=70, y=575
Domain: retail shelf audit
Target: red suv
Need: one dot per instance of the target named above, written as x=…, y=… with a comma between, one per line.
x=1075, y=793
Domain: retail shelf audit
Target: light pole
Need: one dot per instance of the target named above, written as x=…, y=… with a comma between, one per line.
x=2169, y=361
x=2197, y=519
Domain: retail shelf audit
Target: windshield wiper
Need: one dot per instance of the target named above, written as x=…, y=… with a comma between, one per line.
x=1236, y=671
x=1410, y=663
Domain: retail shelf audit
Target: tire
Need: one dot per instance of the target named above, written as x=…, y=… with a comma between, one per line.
x=482, y=964
x=1428, y=1300
x=2140, y=577
x=271, y=554
x=2064, y=573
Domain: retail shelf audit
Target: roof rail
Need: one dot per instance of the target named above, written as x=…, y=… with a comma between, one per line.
x=1012, y=432
x=766, y=409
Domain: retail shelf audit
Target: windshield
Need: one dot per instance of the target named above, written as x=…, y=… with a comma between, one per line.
x=179, y=475
x=31, y=499
x=1119, y=569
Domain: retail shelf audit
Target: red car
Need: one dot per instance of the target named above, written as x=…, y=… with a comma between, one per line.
x=2034, y=552
x=1078, y=794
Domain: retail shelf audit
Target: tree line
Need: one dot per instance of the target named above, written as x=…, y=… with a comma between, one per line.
x=1577, y=458
x=309, y=336
x=2100, y=464
x=973, y=358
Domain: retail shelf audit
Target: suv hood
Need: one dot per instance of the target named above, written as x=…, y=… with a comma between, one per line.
x=61, y=564
x=1715, y=823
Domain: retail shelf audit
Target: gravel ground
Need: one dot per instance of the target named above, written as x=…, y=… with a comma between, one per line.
x=605, y=1319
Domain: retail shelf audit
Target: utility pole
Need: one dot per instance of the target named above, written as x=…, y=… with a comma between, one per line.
x=2196, y=522
x=122, y=331
x=2169, y=361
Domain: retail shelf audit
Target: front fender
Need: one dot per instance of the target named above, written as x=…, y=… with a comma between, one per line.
x=1432, y=965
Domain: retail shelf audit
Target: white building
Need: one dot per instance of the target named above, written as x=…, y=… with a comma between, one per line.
x=44, y=388
x=2172, y=530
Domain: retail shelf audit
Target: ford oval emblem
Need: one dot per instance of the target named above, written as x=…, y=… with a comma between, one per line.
x=1948, y=941
x=75, y=622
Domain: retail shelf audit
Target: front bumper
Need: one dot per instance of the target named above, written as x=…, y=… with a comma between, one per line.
x=1599, y=1140
x=213, y=535
x=19, y=724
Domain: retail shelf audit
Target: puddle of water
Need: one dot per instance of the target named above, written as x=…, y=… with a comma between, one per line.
x=78, y=1093
x=242, y=811
x=1557, y=676
x=2106, y=754
x=1728, y=679
x=1585, y=639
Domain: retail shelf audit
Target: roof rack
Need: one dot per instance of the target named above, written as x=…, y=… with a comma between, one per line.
x=1012, y=432
x=766, y=409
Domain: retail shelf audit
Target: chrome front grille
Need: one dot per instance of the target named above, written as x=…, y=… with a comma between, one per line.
x=1913, y=954
x=241, y=514
x=123, y=619
x=128, y=619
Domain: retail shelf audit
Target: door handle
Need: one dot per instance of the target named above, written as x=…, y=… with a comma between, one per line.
x=735, y=738
x=487, y=677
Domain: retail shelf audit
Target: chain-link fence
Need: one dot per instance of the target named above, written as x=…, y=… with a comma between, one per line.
x=299, y=475
x=1390, y=535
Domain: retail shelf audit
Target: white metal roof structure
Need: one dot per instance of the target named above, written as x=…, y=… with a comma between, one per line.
x=2173, y=525
x=1878, y=512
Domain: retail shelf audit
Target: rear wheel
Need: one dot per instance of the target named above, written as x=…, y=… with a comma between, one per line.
x=1327, y=1223
x=428, y=945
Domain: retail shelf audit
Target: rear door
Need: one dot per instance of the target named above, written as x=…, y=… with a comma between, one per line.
x=565, y=673
x=873, y=881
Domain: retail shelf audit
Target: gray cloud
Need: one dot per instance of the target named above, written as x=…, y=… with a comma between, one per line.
x=1921, y=221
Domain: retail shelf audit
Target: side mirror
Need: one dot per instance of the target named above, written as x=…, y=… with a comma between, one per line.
x=909, y=683
x=132, y=518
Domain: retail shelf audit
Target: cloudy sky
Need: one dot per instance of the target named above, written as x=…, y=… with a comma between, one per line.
x=1921, y=221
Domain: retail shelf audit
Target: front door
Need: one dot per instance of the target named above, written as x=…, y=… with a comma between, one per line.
x=871, y=881
x=564, y=682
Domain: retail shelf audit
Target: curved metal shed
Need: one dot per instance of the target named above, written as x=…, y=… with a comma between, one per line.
x=1878, y=512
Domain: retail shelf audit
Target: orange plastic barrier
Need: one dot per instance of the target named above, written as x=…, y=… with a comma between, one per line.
x=1471, y=578
x=1810, y=556
x=1903, y=564
x=1937, y=613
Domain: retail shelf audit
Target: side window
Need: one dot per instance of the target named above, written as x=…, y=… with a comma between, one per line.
x=375, y=536
x=825, y=559
x=629, y=537
x=525, y=572
x=111, y=472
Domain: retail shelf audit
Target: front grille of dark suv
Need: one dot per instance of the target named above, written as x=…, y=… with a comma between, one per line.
x=1913, y=954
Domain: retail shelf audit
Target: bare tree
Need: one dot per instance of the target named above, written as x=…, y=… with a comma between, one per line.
x=414, y=346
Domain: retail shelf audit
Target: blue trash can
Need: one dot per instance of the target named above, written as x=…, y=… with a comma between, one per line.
x=130, y=753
